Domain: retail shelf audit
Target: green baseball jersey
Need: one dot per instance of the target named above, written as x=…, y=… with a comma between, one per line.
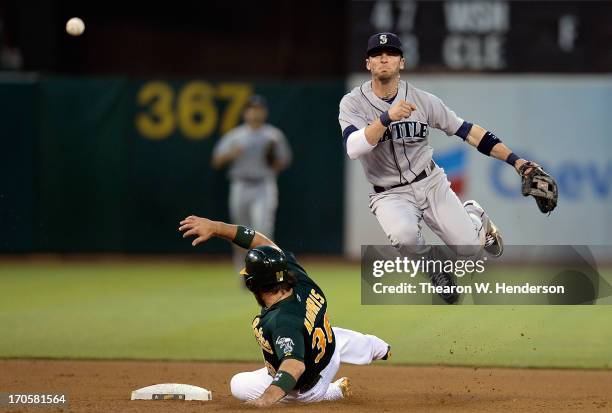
x=297, y=327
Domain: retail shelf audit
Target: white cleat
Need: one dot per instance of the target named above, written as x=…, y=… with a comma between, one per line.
x=345, y=386
x=494, y=244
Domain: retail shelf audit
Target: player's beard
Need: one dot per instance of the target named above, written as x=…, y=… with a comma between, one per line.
x=259, y=300
x=386, y=78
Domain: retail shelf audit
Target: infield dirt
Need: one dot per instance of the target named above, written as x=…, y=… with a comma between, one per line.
x=105, y=386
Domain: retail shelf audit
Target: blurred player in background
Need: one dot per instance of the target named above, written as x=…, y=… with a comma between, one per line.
x=256, y=153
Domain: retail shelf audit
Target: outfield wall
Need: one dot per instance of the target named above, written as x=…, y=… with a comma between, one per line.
x=559, y=121
x=113, y=164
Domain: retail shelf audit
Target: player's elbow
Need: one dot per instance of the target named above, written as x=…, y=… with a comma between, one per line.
x=357, y=144
x=294, y=367
x=352, y=154
x=352, y=151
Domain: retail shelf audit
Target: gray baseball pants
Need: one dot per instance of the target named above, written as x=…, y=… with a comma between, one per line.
x=402, y=210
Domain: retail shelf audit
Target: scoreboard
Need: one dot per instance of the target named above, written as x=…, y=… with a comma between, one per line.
x=489, y=35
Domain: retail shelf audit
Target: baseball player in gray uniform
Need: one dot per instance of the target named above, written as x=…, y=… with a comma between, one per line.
x=385, y=124
x=256, y=153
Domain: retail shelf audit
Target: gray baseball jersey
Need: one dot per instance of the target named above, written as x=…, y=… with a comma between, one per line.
x=403, y=151
x=251, y=164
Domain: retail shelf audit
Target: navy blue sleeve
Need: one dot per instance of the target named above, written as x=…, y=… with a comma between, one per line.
x=346, y=132
x=464, y=130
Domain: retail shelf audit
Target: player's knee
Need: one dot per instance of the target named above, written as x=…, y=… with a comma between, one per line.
x=238, y=387
x=404, y=235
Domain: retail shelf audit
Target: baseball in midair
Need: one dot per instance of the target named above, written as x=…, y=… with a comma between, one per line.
x=75, y=26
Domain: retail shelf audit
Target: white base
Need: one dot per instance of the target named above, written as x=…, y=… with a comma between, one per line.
x=172, y=391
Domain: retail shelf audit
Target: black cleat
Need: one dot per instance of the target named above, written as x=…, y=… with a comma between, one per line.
x=388, y=355
x=443, y=279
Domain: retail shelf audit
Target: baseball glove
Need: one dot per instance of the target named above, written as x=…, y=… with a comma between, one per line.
x=271, y=154
x=540, y=185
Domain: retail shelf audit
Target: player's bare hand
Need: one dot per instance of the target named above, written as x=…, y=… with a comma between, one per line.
x=520, y=163
x=201, y=228
x=401, y=109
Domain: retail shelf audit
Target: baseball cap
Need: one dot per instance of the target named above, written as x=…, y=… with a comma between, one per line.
x=381, y=41
x=257, y=100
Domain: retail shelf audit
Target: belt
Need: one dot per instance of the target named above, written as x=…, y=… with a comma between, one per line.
x=250, y=180
x=424, y=174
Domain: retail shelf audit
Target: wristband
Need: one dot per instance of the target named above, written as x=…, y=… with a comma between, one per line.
x=284, y=380
x=512, y=158
x=244, y=237
x=385, y=119
x=487, y=143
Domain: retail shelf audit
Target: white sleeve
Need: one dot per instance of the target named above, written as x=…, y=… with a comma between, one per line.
x=357, y=144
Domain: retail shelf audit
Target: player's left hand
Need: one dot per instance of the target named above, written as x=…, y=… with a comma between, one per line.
x=519, y=163
x=203, y=228
x=539, y=184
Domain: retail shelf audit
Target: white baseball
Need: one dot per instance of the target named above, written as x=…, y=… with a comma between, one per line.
x=75, y=26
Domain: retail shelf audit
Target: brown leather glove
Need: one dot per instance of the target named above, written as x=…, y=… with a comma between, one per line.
x=540, y=185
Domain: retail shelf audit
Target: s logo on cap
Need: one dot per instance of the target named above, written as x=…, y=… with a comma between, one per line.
x=382, y=39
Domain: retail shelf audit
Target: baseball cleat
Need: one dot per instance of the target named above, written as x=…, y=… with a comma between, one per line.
x=345, y=386
x=443, y=279
x=387, y=356
x=494, y=244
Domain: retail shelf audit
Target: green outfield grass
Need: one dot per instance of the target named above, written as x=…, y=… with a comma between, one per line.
x=198, y=311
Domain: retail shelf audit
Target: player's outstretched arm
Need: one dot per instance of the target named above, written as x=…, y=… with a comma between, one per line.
x=204, y=229
x=534, y=180
x=498, y=150
x=281, y=383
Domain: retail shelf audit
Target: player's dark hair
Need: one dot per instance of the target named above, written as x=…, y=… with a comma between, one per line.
x=285, y=285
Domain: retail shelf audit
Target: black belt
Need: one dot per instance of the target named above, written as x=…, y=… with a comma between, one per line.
x=422, y=175
x=250, y=180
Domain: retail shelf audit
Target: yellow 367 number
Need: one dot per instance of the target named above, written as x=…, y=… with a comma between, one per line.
x=321, y=338
x=194, y=111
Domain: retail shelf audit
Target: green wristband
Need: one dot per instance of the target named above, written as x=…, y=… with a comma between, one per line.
x=284, y=380
x=244, y=237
